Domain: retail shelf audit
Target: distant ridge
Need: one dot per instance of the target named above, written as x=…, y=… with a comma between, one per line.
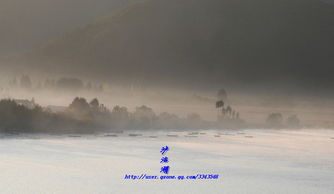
x=196, y=41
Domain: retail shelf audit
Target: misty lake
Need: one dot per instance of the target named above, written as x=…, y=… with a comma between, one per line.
x=247, y=161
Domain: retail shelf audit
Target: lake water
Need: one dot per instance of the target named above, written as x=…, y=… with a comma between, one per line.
x=247, y=161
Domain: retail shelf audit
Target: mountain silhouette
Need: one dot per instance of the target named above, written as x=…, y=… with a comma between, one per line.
x=197, y=41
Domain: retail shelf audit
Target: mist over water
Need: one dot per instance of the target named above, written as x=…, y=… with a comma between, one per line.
x=301, y=161
x=91, y=90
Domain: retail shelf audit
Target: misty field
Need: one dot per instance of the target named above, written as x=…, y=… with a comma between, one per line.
x=247, y=161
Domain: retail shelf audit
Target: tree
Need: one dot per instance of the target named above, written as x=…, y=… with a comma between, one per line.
x=229, y=110
x=13, y=82
x=18, y=118
x=79, y=104
x=88, y=86
x=49, y=83
x=120, y=117
x=293, y=121
x=222, y=95
x=94, y=103
x=120, y=113
x=25, y=82
x=144, y=117
x=275, y=119
x=70, y=83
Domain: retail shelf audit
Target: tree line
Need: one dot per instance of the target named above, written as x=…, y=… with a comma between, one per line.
x=82, y=116
x=67, y=83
